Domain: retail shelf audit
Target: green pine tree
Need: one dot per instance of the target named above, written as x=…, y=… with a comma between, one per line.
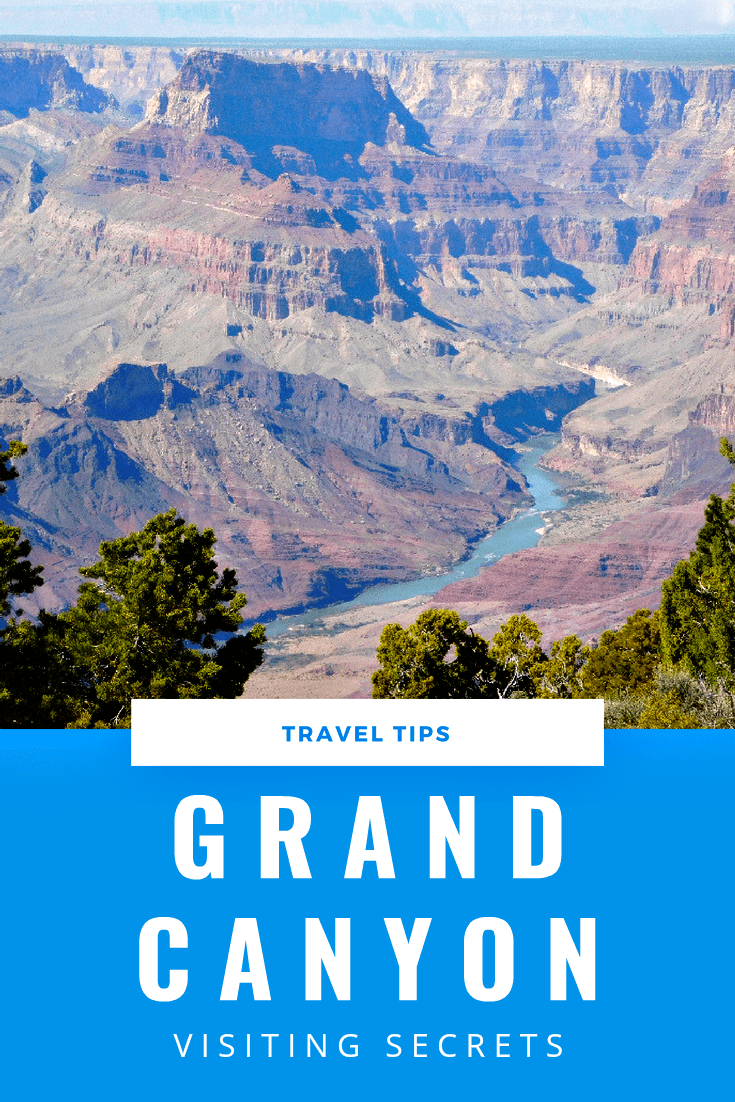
x=560, y=677
x=17, y=576
x=698, y=601
x=417, y=661
x=150, y=621
x=440, y=658
x=624, y=660
x=147, y=623
x=517, y=657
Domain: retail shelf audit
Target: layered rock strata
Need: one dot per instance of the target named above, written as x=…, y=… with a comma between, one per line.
x=286, y=189
x=648, y=132
x=314, y=492
x=402, y=223
x=39, y=79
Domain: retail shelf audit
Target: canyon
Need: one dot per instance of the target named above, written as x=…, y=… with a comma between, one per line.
x=313, y=491
x=319, y=298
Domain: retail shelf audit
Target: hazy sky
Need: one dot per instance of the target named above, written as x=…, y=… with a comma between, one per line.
x=361, y=18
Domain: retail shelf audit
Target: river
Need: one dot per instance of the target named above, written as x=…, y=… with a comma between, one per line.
x=522, y=531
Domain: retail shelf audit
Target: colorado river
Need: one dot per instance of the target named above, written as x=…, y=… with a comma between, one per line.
x=514, y=535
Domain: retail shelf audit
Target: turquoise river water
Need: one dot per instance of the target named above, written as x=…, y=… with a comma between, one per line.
x=522, y=531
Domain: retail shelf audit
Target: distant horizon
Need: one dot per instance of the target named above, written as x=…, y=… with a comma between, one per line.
x=429, y=39
x=357, y=21
x=685, y=49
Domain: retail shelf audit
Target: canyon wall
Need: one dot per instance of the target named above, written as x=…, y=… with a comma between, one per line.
x=314, y=492
x=38, y=79
x=128, y=76
x=647, y=132
x=467, y=243
x=287, y=188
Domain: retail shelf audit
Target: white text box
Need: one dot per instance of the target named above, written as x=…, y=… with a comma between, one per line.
x=367, y=732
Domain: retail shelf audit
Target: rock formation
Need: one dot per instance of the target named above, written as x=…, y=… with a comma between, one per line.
x=466, y=244
x=314, y=492
x=647, y=132
x=283, y=189
x=39, y=79
x=324, y=112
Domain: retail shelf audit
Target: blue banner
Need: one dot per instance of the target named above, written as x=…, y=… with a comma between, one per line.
x=646, y=853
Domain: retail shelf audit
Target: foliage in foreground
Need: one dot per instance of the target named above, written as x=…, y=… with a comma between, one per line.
x=674, y=668
x=148, y=623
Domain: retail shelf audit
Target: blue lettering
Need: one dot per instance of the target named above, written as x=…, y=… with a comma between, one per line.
x=324, y=735
x=343, y=737
x=361, y=734
x=304, y=734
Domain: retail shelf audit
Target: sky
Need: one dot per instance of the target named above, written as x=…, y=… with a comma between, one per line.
x=366, y=19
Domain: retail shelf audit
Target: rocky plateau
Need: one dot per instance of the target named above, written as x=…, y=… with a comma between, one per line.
x=396, y=267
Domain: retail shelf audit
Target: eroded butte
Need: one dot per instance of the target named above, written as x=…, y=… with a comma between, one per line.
x=317, y=299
